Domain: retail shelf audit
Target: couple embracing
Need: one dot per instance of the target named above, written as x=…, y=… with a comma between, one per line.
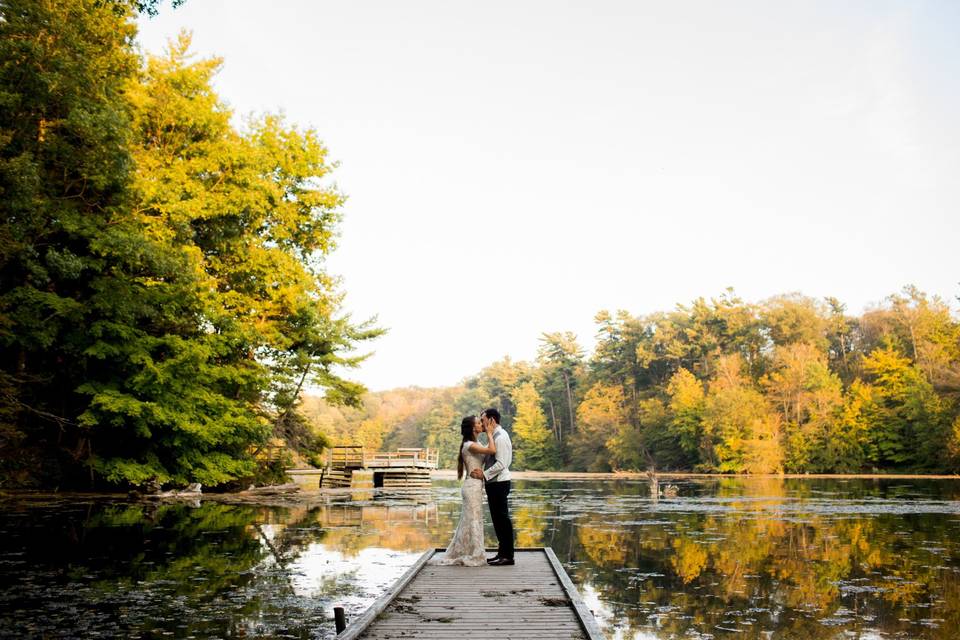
x=487, y=468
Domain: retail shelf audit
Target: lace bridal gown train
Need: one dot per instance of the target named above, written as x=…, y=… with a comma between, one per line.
x=466, y=547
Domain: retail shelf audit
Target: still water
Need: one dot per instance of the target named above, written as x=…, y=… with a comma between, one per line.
x=727, y=558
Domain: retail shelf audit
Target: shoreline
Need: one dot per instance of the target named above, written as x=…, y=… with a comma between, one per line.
x=445, y=474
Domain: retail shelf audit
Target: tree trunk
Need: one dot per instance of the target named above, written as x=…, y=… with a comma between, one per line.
x=553, y=417
x=296, y=395
x=843, y=354
x=573, y=421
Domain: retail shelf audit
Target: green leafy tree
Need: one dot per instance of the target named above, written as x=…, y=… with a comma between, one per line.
x=496, y=383
x=441, y=429
x=654, y=440
x=909, y=423
x=842, y=334
x=65, y=235
x=167, y=297
x=953, y=446
x=560, y=358
x=618, y=357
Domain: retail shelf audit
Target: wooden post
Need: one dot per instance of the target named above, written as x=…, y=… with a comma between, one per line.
x=339, y=619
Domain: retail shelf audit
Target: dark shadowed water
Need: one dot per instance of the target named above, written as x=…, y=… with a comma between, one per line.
x=727, y=558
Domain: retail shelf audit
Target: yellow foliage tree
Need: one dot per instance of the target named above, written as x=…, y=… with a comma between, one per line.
x=744, y=432
x=534, y=448
x=599, y=417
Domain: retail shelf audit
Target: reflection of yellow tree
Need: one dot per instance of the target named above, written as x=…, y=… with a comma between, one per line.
x=810, y=564
x=606, y=547
x=689, y=560
x=949, y=608
x=763, y=554
x=408, y=528
x=530, y=524
x=745, y=549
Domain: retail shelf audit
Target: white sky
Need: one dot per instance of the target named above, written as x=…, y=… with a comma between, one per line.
x=559, y=158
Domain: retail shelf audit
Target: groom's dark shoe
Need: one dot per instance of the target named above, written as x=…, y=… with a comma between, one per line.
x=501, y=562
x=493, y=559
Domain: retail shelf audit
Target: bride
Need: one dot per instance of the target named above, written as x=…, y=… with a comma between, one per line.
x=466, y=548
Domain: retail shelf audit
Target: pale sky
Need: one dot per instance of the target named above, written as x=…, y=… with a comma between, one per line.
x=553, y=159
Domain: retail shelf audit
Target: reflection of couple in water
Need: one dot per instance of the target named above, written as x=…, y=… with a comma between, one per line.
x=487, y=467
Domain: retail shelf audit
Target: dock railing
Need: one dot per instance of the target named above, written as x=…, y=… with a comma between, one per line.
x=407, y=457
x=345, y=456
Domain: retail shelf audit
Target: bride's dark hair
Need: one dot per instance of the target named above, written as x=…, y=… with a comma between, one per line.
x=466, y=430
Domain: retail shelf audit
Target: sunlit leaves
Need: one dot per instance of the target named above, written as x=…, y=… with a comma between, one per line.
x=164, y=300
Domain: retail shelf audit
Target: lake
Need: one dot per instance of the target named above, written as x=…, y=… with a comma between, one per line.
x=726, y=558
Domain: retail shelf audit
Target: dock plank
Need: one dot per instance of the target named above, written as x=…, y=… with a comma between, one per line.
x=532, y=599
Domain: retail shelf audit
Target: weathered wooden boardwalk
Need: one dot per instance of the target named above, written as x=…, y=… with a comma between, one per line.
x=353, y=466
x=533, y=599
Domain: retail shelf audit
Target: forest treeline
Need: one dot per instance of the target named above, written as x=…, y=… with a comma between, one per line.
x=163, y=296
x=790, y=384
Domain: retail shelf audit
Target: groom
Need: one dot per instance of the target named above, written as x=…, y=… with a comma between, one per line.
x=496, y=471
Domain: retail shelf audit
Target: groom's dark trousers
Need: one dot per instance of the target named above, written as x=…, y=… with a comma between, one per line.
x=497, y=493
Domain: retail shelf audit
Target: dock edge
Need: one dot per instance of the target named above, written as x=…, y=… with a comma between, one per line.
x=356, y=628
x=587, y=620
x=585, y=616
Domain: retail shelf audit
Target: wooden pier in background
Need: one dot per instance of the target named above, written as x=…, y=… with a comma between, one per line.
x=352, y=466
x=533, y=599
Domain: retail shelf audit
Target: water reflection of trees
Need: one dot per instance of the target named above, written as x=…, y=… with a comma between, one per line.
x=765, y=565
x=217, y=570
x=757, y=570
x=350, y=528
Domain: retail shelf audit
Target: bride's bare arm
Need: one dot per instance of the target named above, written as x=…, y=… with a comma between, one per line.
x=490, y=449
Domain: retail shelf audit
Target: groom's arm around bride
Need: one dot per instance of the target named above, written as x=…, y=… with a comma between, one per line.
x=496, y=472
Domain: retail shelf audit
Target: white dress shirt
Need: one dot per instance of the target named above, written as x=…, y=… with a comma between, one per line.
x=500, y=470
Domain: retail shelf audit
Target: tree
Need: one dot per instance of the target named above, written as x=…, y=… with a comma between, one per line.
x=441, y=428
x=535, y=447
x=841, y=332
x=953, y=446
x=190, y=305
x=687, y=404
x=933, y=336
x=652, y=445
x=496, y=384
x=600, y=416
x=788, y=384
x=617, y=358
x=722, y=326
x=560, y=358
x=809, y=398
x=742, y=431
x=909, y=422
x=793, y=319
x=64, y=174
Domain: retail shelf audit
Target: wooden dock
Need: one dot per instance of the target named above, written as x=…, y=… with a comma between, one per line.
x=400, y=469
x=533, y=599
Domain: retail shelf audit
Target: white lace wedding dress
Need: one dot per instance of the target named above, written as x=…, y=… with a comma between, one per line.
x=466, y=548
